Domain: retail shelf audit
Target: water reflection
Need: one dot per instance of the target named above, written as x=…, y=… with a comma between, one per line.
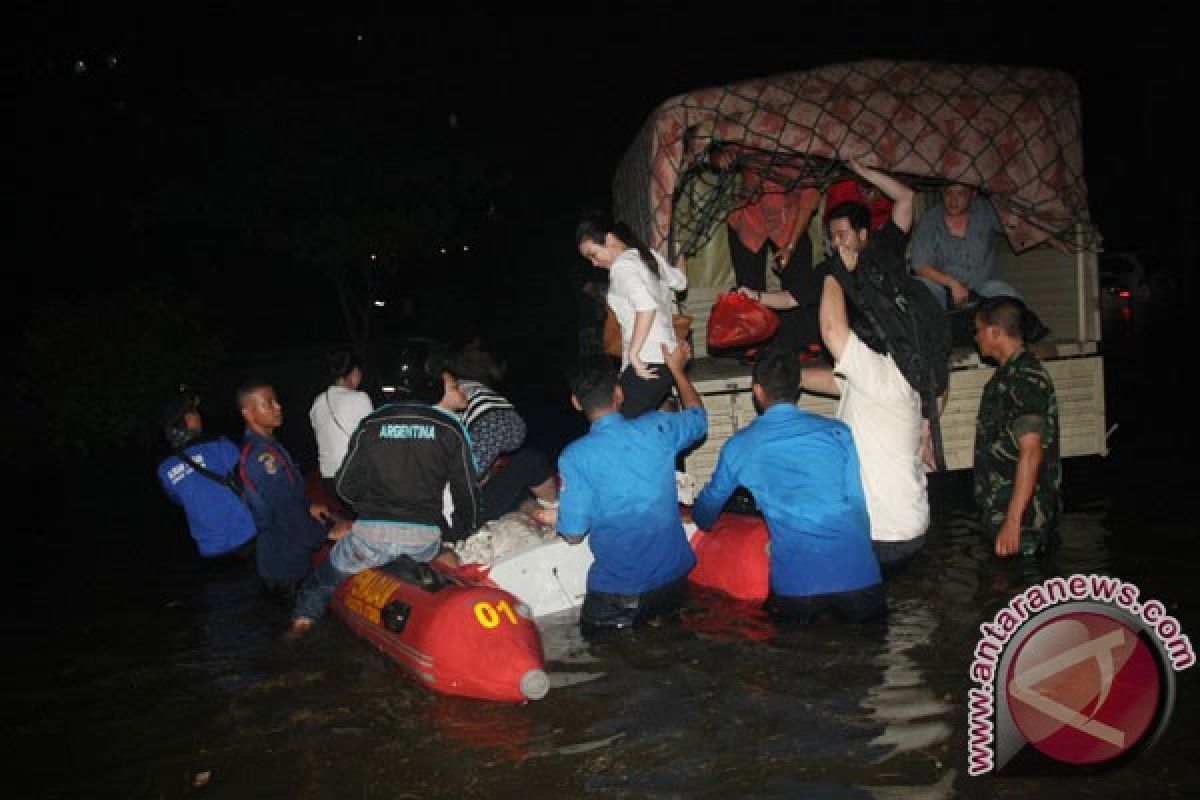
x=182, y=676
x=903, y=701
x=503, y=730
x=1085, y=544
x=940, y=789
x=229, y=625
x=719, y=616
x=722, y=704
x=972, y=580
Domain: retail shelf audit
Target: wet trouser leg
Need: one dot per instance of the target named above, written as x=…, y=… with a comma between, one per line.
x=894, y=555
x=350, y=555
x=607, y=611
x=859, y=605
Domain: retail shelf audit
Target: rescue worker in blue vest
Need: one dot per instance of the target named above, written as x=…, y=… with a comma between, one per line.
x=290, y=530
x=619, y=491
x=198, y=476
x=399, y=460
x=803, y=472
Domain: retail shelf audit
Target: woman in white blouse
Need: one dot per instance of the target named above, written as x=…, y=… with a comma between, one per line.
x=335, y=413
x=641, y=294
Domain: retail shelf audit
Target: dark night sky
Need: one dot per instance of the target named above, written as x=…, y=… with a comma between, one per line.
x=553, y=98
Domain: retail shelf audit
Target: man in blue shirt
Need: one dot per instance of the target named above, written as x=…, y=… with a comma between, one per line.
x=196, y=477
x=803, y=472
x=290, y=531
x=619, y=489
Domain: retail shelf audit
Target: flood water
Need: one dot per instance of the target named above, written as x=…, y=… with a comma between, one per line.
x=132, y=673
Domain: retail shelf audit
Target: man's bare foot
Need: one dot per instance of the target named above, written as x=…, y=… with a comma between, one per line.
x=542, y=517
x=546, y=513
x=299, y=627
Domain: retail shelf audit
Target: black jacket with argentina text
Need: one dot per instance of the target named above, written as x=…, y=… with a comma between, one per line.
x=398, y=462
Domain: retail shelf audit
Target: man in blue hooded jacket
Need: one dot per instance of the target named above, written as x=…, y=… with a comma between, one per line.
x=196, y=476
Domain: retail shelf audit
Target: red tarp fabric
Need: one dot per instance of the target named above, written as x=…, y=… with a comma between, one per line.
x=1012, y=131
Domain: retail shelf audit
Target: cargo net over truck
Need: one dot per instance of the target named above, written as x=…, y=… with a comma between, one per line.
x=1011, y=132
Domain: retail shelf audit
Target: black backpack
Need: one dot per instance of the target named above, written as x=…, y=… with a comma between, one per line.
x=895, y=313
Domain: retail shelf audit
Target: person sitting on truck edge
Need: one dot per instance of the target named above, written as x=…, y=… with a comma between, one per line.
x=400, y=459
x=200, y=476
x=772, y=214
x=770, y=210
x=1017, y=467
x=290, y=529
x=618, y=489
x=954, y=252
x=804, y=474
x=878, y=401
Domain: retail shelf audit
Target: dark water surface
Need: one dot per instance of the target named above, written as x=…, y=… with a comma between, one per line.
x=141, y=676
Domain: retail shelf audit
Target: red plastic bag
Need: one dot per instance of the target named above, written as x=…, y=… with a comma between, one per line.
x=738, y=321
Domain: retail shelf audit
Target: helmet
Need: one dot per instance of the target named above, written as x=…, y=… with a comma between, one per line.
x=183, y=402
x=410, y=371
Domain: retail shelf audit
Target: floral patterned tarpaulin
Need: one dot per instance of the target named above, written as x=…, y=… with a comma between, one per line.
x=1014, y=132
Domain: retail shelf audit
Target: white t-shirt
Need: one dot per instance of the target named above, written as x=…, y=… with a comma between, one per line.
x=884, y=415
x=334, y=415
x=633, y=288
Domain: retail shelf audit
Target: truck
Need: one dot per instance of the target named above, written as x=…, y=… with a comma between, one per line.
x=1012, y=132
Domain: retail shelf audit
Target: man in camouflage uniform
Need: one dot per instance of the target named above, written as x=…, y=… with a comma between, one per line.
x=1017, y=467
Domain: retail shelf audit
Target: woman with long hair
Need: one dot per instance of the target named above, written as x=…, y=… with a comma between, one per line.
x=640, y=293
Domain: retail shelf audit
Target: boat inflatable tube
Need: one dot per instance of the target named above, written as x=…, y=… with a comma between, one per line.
x=732, y=557
x=472, y=641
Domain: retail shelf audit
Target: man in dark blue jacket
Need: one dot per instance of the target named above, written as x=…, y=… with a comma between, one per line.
x=196, y=477
x=290, y=531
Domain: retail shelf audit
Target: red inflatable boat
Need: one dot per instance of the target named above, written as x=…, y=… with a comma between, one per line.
x=732, y=558
x=473, y=641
